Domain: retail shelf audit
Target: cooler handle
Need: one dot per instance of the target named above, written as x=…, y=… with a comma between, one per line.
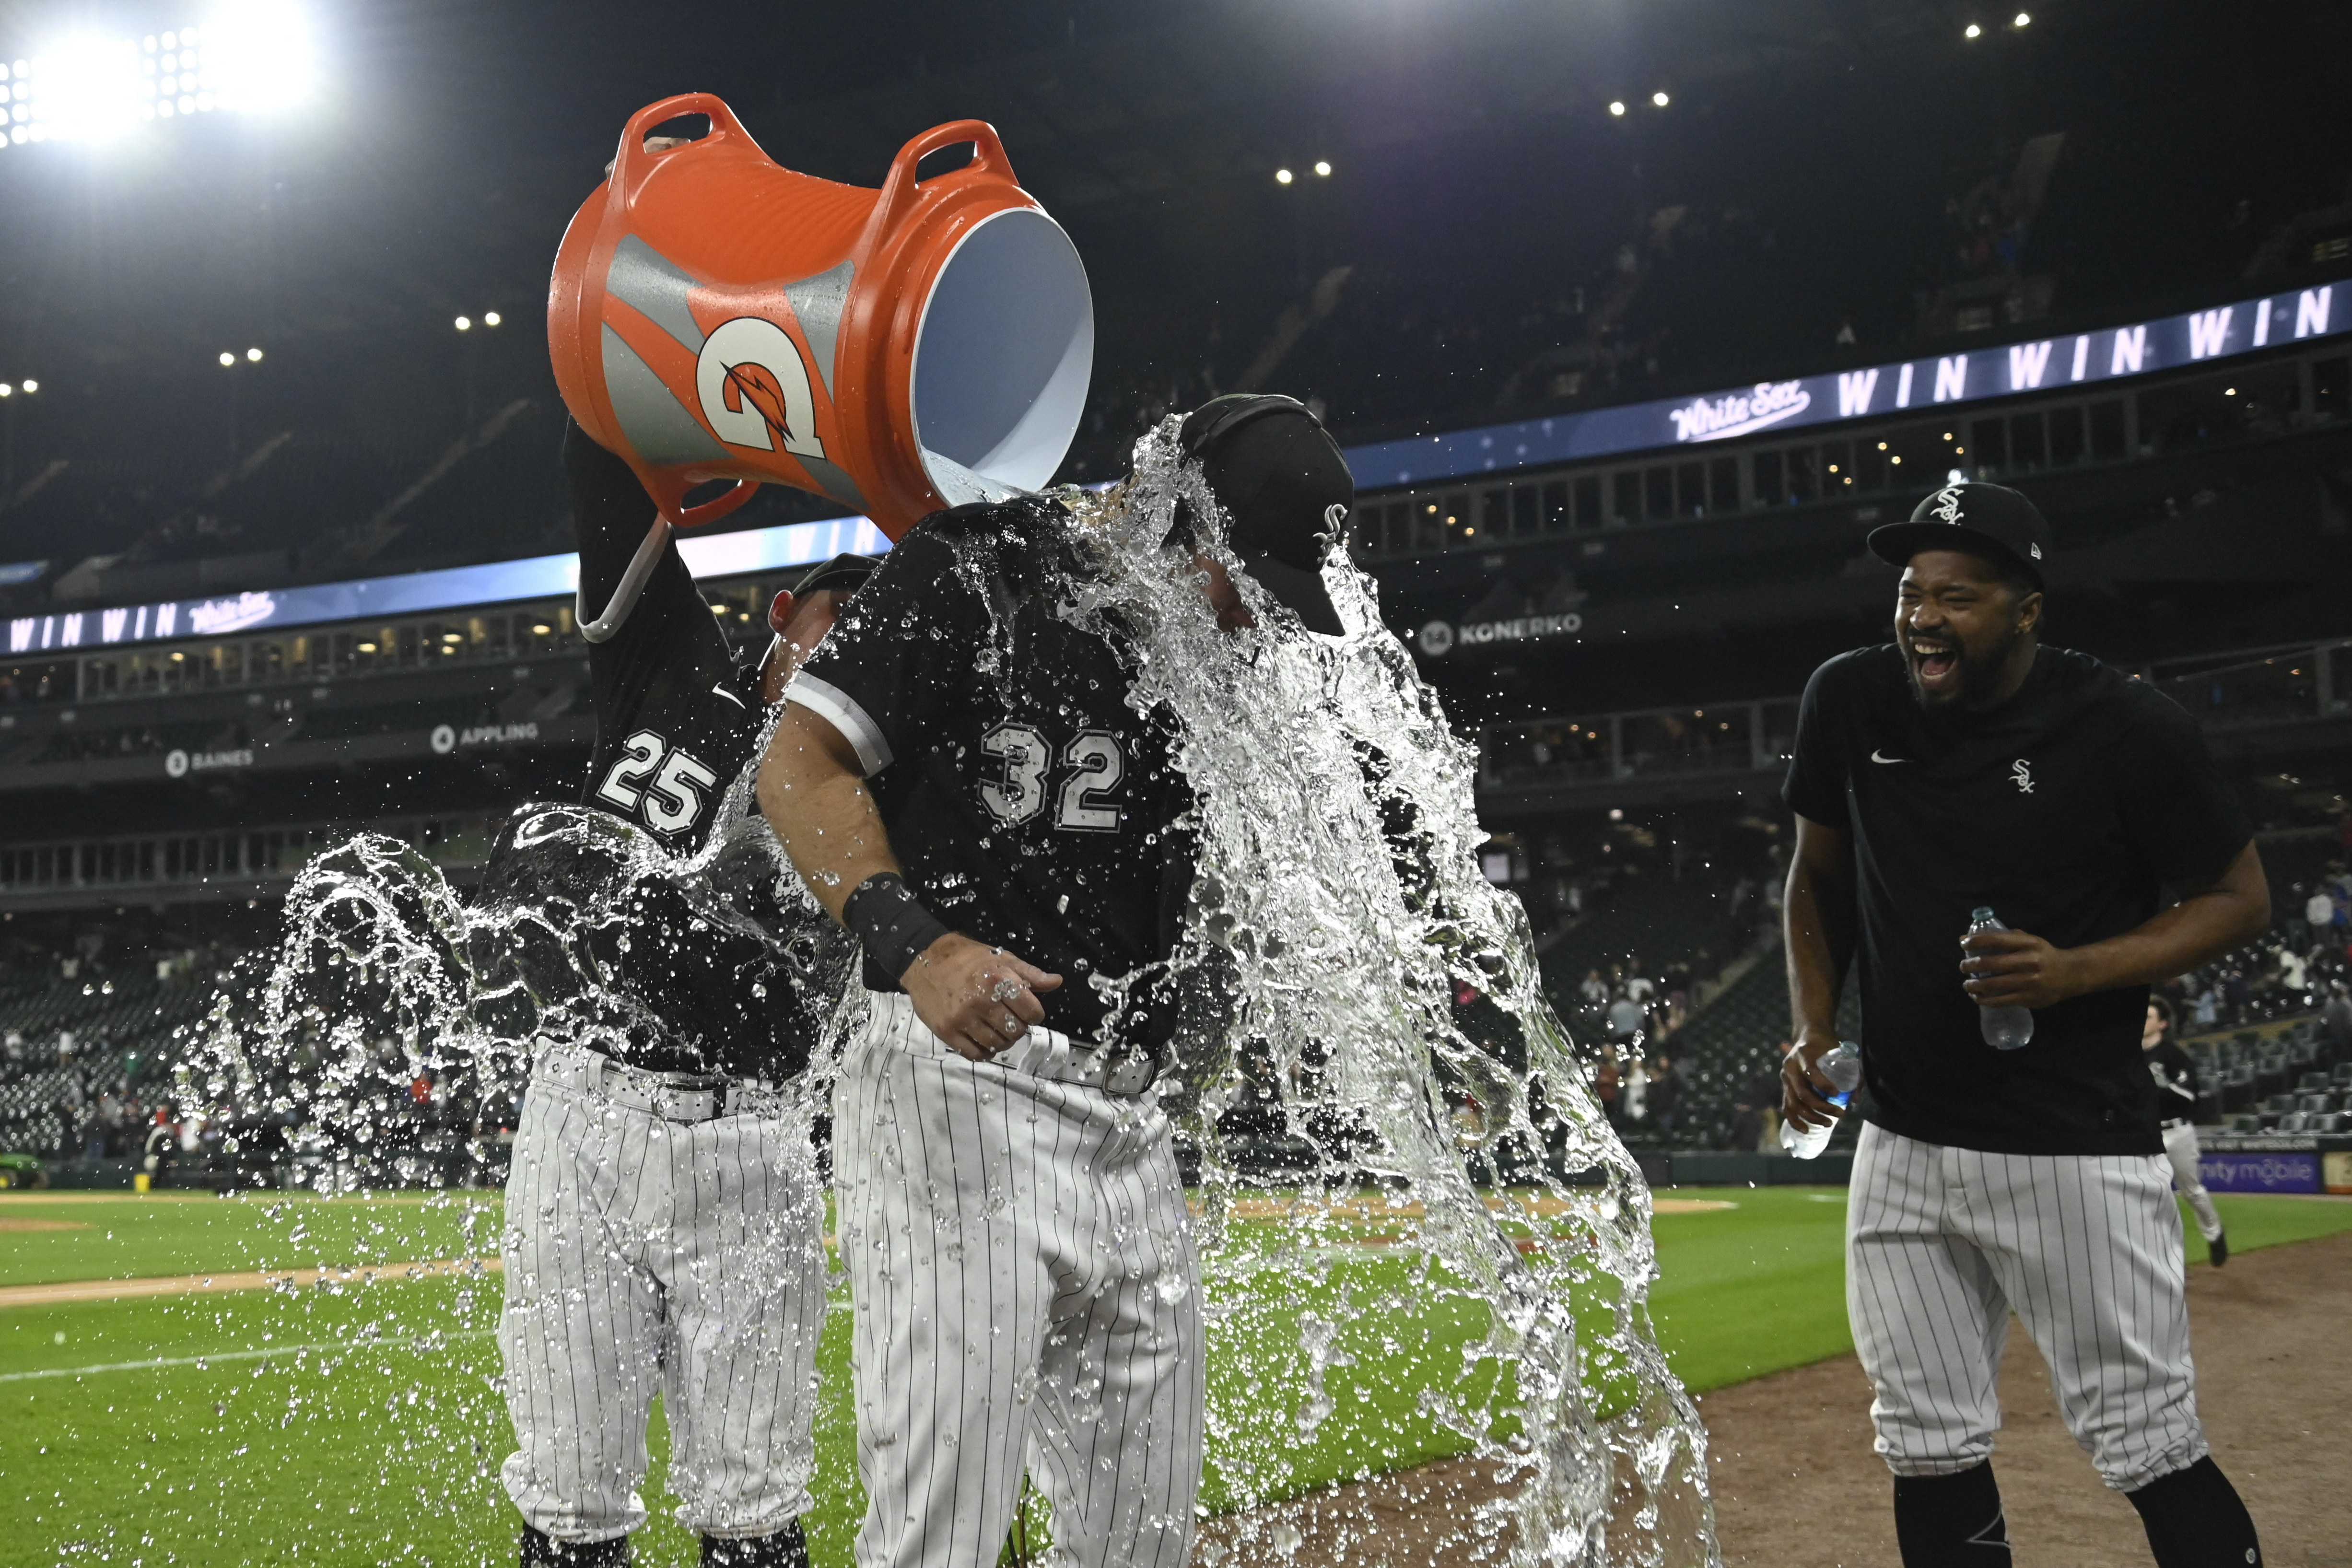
x=631, y=163
x=899, y=185
x=668, y=491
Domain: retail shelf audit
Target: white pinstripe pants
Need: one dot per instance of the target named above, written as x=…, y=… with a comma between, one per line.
x=642, y=1253
x=1943, y=1243
x=2189, y=1177
x=1021, y=1261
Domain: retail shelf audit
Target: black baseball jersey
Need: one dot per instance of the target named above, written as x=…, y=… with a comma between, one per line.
x=677, y=712
x=2175, y=1077
x=2067, y=809
x=1029, y=806
x=592, y=941
x=679, y=720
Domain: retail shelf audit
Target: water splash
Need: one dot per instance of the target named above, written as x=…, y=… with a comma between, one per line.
x=1421, y=1236
x=1388, y=1030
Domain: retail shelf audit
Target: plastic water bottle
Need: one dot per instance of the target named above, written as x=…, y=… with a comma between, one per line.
x=2005, y=1028
x=1841, y=1065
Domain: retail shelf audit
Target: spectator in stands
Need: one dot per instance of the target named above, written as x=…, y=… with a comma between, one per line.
x=1606, y=1085
x=2206, y=1012
x=2318, y=916
x=2336, y=1021
x=1624, y=1019
x=1595, y=990
x=1755, y=1123
x=1665, y=1081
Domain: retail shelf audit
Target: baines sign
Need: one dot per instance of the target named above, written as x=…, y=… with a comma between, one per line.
x=2045, y=364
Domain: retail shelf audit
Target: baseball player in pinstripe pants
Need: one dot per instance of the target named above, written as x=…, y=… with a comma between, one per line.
x=1969, y=766
x=664, y=1221
x=960, y=777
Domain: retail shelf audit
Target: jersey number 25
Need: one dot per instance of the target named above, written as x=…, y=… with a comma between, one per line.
x=1018, y=794
x=674, y=799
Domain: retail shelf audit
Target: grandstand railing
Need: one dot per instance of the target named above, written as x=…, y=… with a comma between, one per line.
x=239, y=864
x=2242, y=689
x=1859, y=461
x=521, y=635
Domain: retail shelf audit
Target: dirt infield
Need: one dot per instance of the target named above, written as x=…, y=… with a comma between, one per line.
x=1797, y=1485
x=63, y=1291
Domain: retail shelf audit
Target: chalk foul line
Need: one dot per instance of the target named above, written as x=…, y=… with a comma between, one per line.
x=333, y=1347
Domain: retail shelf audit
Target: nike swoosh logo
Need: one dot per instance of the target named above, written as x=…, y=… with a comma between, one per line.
x=728, y=695
x=1876, y=757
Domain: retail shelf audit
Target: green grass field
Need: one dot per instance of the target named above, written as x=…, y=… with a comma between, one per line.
x=361, y=1424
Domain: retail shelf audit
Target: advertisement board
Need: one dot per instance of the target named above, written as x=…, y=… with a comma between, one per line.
x=1874, y=392
x=2268, y=1171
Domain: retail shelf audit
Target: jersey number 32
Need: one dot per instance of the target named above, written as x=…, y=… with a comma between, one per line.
x=1081, y=805
x=674, y=799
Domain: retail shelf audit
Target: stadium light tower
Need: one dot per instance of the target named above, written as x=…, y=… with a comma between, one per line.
x=253, y=56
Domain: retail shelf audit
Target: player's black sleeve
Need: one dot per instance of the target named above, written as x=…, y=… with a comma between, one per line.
x=896, y=656
x=2178, y=812
x=669, y=625
x=1815, y=786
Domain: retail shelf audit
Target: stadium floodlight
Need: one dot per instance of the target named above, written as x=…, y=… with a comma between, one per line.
x=1974, y=31
x=253, y=355
x=257, y=57
x=1617, y=106
x=491, y=318
x=465, y=323
x=253, y=58
x=29, y=386
x=227, y=359
x=6, y=390
x=2024, y=20
x=1323, y=168
x=1282, y=176
x=1659, y=99
x=86, y=89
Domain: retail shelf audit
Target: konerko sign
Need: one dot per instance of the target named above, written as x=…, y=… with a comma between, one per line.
x=1441, y=637
x=2041, y=365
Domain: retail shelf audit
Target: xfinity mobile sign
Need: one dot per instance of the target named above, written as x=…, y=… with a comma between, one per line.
x=2045, y=364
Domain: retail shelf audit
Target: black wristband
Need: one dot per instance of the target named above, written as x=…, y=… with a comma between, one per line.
x=891, y=922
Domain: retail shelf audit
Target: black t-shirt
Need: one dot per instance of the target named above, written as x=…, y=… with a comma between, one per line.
x=2067, y=809
x=1028, y=805
x=2175, y=1077
x=677, y=714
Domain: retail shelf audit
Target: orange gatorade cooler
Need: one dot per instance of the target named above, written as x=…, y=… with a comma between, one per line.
x=714, y=316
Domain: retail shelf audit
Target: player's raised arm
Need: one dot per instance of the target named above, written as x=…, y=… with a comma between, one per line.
x=977, y=998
